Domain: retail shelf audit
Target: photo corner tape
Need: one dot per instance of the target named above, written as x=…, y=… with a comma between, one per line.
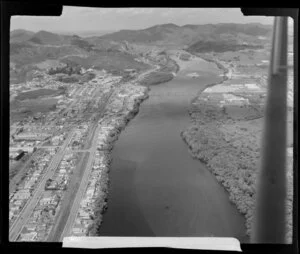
x=202, y=243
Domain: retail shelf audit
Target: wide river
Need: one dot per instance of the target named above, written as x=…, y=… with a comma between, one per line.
x=156, y=187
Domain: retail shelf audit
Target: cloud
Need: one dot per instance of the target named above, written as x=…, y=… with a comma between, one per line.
x=124, y=10
x=167, y=12
x=143, y=10
x=100, y=11
x=134, y=11
x=81, y=18
x=71, y=11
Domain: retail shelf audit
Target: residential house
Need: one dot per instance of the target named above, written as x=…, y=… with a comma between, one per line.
x=79, y=231
x=29, y=236
x=31, y=227
x=37, y=213
x=19, y=202
x=46, y=201
x=83, y=214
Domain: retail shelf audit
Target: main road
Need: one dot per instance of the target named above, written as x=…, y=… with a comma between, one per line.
x=81, y=190
x=84, y=182
x=90, y=146
x=25, y=213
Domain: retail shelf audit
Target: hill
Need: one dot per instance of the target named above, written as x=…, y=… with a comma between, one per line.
x=103, y=44
x=86, y=33
x=48, y=38
x=26, y=53
x=119, y=50
x=219, y=46
x=48, y=49
x=189, y=34
x=149, y=35
x=112, y=61
x=20, y=35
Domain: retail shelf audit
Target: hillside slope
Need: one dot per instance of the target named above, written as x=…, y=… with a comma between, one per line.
x=189, y=34
x=48, y=38
x=20, y=35
x=45, y=50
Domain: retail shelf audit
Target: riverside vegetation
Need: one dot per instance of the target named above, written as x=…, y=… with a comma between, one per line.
x=100, y=204
x=227, y=140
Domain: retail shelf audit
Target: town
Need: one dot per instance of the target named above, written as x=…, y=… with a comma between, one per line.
x=64, y=147
x=154, y=128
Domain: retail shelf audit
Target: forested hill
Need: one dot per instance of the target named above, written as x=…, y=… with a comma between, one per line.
x=190, y=34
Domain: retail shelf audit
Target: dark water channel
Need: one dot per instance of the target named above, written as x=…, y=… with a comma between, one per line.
x=156, y=187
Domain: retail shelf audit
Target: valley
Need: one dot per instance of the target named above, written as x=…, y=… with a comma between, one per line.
x=150, y=132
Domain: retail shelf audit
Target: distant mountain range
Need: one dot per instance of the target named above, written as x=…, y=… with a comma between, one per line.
x=28, y=50
x=27, y=47
x=189, y=34
x=26, y=39
x=20, y=35
x=85, y=33
x=159, y=34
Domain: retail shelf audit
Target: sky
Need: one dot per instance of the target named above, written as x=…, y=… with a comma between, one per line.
x=112, y=19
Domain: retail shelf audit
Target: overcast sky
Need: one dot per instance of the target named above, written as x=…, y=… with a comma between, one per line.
x=84, y=18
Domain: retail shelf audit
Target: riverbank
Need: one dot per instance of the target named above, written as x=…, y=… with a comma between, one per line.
x=225, y=134
x=164, y=73
x=117, y=124
x=156, y=78
x=122, y=107
x=160, y=162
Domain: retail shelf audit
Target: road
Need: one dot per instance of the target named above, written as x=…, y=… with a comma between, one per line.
x=68, y=198
x=27, y=210
x=83, y=184
x=97, y=116
x=21, y=221
x=25, y=213
x=91, y=148
x=81, y=190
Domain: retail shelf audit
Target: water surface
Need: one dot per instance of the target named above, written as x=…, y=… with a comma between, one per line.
x=156, y=187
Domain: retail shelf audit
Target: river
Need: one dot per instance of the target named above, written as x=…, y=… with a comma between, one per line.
x=156, y=187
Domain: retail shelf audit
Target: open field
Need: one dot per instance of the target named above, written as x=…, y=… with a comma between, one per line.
x=26, y=108
x=109, y=61
x=33, y=94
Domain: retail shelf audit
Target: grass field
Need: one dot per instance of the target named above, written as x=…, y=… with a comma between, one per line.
x=22, y=109
x=37, y=93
